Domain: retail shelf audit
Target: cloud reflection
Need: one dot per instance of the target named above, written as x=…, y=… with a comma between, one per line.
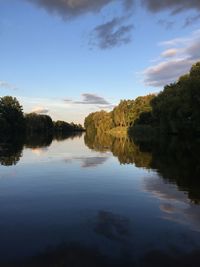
x=88, y=162
x=174, y=204
x=39, y=151
x=112, y=226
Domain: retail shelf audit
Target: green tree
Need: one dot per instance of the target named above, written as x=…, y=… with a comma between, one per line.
x=176, y=110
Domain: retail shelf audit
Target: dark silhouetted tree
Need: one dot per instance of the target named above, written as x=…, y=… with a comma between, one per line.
x=11, y=115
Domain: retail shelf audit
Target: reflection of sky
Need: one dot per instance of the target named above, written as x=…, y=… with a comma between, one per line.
x=174, y=203
x=39, y=151
x=67, y=193
x=68, y=150
x=7, y=173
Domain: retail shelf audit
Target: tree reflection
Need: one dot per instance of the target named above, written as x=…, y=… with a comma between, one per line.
x=176, y=160
x=73, y=254
x=11, y=150
x=121, y=147
x=11, y=147
x=38, y=140
x=61, y=136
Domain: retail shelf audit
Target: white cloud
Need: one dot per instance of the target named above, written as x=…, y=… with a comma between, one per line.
x=174, y=42
x=166, y=72
x=40, y=110
x=169, y=53
x=174, y=61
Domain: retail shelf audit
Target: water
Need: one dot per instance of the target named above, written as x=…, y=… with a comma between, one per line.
x=99, y=201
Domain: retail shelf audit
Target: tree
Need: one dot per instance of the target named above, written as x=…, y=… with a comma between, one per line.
x=38, y=123
x=176, y=110
x=11, y=115
x=65, y=127
x=101, y=121
x=122, y=115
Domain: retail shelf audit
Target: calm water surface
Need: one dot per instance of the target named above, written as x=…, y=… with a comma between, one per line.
x=99, y=201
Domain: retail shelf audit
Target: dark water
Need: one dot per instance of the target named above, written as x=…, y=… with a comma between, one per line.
x=99, y=201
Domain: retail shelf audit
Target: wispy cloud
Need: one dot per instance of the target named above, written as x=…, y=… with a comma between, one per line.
x=191, y=20
x=112, y=33
x=174, y=61
x=93, y=99
x=173, y=5
x=40, y=110
x=166, y=72
x=90, y=99
x=169, y=53
x=8, y=86
x=106, y=107
x=165, y=23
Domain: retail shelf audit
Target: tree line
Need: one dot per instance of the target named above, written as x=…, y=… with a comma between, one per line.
x=122, y=116
x=14, y=121
x=175, y=110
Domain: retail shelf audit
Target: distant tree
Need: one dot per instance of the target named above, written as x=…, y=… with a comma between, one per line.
x=65, y=127
x=38, y=123
x=12, y=121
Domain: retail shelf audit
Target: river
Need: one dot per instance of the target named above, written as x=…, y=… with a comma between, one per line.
x=99, y=201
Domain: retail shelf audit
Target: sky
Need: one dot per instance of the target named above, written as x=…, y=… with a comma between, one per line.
x=67, y=58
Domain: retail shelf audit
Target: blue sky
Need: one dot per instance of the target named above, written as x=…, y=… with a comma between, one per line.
x=67, y=58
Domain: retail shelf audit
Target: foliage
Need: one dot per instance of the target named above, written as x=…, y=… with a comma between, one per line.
x=38, y=123
x=176, y=109
x=11, y=115
x=177, y=160
x=122, y=116
x=12, y=120
x=129, y=110
x=62, y=126
x=99, y=121
x=11, y=150
x=121, y=147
